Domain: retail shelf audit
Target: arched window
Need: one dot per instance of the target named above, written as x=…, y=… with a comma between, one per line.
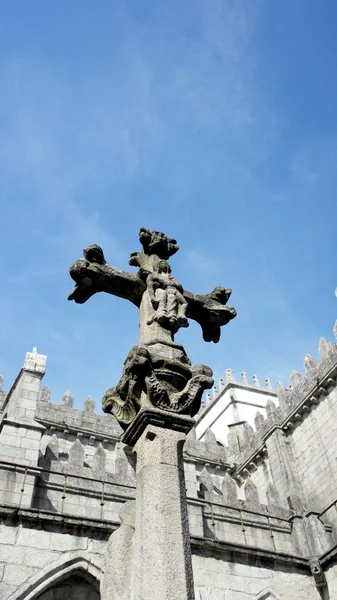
x=73, y=576
x=77, y=586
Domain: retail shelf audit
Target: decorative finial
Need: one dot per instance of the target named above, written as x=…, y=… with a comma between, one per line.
x=229, y=376
x=256, y=380
x=269, y=384
x=244, y=378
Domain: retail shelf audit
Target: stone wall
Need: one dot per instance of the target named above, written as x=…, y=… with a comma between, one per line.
x=250, y=577
x=331, y=578
x=314, y=445
x=37, y=556
x=256, y=507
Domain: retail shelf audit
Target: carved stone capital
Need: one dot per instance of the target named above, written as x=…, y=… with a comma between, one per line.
x=149, y=415
x=157, y=376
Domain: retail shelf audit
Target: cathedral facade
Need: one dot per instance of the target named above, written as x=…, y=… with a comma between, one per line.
x=261, y=485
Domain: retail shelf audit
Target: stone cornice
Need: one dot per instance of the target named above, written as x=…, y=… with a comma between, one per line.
x=49, y=519
x=238, y=552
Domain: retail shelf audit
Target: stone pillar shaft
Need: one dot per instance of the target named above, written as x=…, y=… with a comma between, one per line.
x=162, y=551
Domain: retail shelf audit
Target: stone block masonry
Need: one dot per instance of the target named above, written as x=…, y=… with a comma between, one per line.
x=258, y=516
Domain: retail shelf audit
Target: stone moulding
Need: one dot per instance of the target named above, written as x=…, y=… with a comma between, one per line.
x=56, y=520
x=71, y=563
x=154, y=416
x=244, y=553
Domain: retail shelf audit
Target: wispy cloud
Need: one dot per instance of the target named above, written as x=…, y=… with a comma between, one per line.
x=60, y=135
x=165, y=122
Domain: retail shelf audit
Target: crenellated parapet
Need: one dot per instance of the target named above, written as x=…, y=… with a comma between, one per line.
x=231, y=381
x=247, y=490
x=299, y=399
x=206, y=451
x=64, y=417
x=232, y=403
x=284, y=408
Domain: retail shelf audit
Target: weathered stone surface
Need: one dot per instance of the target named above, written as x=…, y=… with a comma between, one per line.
x=99, y=461
x=67, y=400
x=259, y=420
x=229, y=490
x=324, y=347
x=45, y=394
x=309, y=362
x=206, y=481
x=162, y=544
x=52, y=450
x=295, y=378
x=118, y=571
x=242, y=550
x=89, y=405
x=251, y=492
x=156, y=371
x=76, y=455
x=92, y=274
x=148, y=378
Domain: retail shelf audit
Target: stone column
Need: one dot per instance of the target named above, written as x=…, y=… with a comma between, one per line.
x=118, y=575
x=162, y=562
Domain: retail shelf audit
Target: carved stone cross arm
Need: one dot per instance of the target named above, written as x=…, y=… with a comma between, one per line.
x=92, y=274
x=210, y=311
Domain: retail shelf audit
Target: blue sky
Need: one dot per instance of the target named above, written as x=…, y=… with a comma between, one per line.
x=211, y=120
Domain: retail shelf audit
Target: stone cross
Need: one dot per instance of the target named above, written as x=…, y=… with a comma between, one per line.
x=154, y=401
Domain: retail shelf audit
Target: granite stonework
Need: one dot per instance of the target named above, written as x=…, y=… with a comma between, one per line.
x=262, y=525
x=154, y=401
